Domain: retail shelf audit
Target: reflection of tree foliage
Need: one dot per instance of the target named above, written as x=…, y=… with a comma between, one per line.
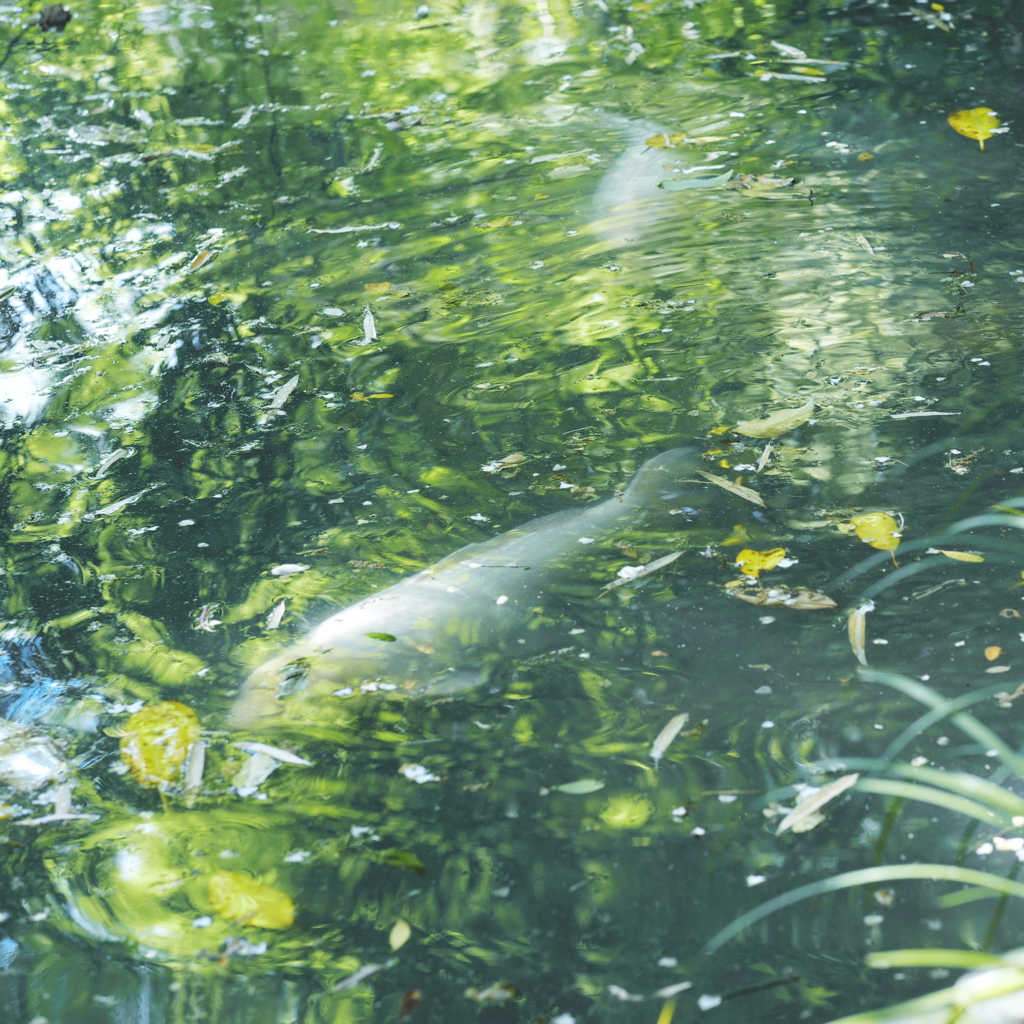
x=241, y=133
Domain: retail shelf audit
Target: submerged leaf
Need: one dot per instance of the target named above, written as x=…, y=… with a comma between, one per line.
x=666, y=736
x=688, y=183
x=753, y=563
x=410, y=1000
x=388, y=638
x=194, y=772
x=808, y=807
x=401, y=859
x=399, y=935
x=156, y=741
x=361, y=975
x=277, y=753
x=632, y=573
x=493, y=994
x=580, y=787
x=777, y=423
x=276, y=615
x=242, y=899
x=856, y=627
x=738, y=489
x=283, y=393
x=978, y=123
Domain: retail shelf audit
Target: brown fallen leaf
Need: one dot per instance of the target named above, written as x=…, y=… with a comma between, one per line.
x=801, y=599
x=410, y=1000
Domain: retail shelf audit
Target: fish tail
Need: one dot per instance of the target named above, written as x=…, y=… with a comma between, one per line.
x=659, y=483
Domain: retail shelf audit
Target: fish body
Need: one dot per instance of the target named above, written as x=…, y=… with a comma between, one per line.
x=629, y=202
x=448, y=627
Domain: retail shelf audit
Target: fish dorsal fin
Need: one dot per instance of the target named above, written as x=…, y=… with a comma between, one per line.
x=659, y=481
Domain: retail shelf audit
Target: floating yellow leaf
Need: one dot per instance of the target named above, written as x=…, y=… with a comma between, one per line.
x=960, y=556
x=878, y=529
x=156, y=741
x=864, y=157
x=978, y=123
x=993, y=652
x=667, y=140
x=242, y=899
x=399, y=935
x=753, y=563
x=856, y=627
x=738, y=489
x=778, y=423
x=378, y=287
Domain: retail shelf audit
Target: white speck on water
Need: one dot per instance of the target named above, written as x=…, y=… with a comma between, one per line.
x=709, y=1002
x=502, y=600
x=753, y=880
x=763, y=690
x=202, y=922
x=768, y=725
x=726, y=798
x=587, y=540
x=297, y=857
x=578, y=630
x=872, y=920
x=766, y=620
x=698, y=832
x=679, y=812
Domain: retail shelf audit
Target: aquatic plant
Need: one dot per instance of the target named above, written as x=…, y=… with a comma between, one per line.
x=993, y=989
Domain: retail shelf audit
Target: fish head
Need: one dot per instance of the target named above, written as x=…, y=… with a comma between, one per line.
x=304, y=681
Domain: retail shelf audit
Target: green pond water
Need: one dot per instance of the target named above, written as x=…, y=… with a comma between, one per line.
x=299, y=299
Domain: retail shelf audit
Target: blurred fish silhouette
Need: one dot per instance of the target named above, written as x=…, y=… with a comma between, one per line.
x=449, y=627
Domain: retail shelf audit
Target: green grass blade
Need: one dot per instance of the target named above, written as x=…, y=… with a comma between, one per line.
x=938, y=797
x=865, y=876
x=957, y=959
x=965, y=784
x=962, y=897
x=966, y=723
x=999, y=981
x=944, y=710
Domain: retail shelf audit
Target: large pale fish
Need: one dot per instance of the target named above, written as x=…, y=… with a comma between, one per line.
x=450, y=626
